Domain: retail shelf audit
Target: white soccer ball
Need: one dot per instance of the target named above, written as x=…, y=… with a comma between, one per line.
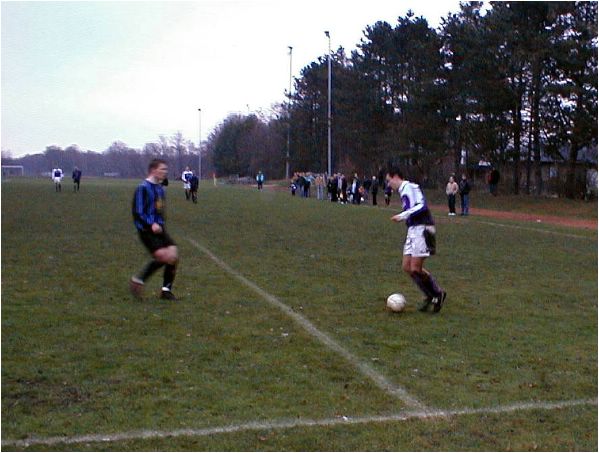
x=396, y=302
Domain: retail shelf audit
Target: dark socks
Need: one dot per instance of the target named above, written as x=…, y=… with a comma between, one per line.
x=169, y=275
x=427, y=284
x=149, y=269
x=424, y=287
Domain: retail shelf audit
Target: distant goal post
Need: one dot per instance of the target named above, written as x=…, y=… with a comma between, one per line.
x=13, y=170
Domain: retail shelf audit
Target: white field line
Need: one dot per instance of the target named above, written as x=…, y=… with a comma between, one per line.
x=536, y=230
x=381, y=381
x=296, y=423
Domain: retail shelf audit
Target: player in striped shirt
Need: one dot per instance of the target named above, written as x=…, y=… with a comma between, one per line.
x=420, y=238
x=148, y=216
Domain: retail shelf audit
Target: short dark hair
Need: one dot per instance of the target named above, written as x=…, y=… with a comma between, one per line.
x=395, y=171
x=155, y=163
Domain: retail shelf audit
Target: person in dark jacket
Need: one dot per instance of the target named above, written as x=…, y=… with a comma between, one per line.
x=332, y=188
x=76, y=179
x=355, y=189
x=343, y=189
x=464, y=194
x=374, y=189
x=194, y=183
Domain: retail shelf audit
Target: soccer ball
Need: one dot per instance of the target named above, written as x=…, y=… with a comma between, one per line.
x=396, y=302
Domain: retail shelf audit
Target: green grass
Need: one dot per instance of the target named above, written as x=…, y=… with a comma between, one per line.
x=79, y=356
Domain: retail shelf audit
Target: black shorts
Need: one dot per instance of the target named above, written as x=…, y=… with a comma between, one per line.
x=153, y=241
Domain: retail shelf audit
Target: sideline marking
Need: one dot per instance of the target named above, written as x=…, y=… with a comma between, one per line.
x=381, y=381
x=290, y=424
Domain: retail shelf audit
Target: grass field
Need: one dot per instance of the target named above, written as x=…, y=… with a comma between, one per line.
x=280, y=340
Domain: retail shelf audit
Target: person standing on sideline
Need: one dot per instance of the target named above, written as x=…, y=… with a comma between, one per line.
x=464, y=194
x=319, y=187
x=148, y=211
x=185, y=177
x=420, y=238
x=374, y=189
x=194, y=183
x=355, y=190
x=57, y=175
x=260, y=179
x=76, y=179
x=388, y=192
x=451, y=190
x=332, y=188
x=493, y=180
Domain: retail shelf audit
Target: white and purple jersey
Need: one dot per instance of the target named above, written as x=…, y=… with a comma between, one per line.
x=186, y=176
x=415, y=210
x=57, y=174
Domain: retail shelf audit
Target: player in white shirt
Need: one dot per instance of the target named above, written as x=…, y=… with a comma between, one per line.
x=57, y=175
x=420, y=238
x=186, y=177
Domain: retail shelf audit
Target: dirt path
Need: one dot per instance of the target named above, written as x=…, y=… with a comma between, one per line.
x=506, y=215
x=524, y=217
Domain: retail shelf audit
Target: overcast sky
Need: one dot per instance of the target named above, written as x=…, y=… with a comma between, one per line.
x=90, y=73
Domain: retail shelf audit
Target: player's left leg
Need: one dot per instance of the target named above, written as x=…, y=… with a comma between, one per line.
x=170, y=257
x=426, y=282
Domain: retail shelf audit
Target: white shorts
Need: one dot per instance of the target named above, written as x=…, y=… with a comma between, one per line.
x=186, y=185
x=57, y=180
x=415, y=243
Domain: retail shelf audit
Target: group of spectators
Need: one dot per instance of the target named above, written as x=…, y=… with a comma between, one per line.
x=340, y=188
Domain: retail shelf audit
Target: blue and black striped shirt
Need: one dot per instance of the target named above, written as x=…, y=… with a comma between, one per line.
x=148, y=205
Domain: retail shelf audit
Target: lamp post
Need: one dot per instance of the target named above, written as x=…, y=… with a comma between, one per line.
x=288, y=116
x=200, y=145
x=328, y=35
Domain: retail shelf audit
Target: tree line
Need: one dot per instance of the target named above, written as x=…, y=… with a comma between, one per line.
x=512, y=85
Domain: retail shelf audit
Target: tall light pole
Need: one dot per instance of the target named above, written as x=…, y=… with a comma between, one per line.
x=200, y=145
x=289, y=116
x=328, y=35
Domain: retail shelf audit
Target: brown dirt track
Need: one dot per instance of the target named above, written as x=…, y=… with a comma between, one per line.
x=535, y=218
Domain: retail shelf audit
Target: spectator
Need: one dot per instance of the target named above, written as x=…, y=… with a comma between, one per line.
x=464, y=194
x=374, y=189
x=388, y=192
x=320, y=187
x=332, y=188
x=355, y=189
x=451, y=190
x=493, y=180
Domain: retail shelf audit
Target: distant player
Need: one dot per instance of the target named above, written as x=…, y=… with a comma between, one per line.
x=57, y=175
x=185, y=177
x=76, y=179
x=420, y=238
x=260, y=179
x=194, y=183
x=148, y=215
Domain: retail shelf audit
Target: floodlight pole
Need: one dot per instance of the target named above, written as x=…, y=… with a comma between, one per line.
x=328, y=35
x=200, y=145
x=289, y=115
